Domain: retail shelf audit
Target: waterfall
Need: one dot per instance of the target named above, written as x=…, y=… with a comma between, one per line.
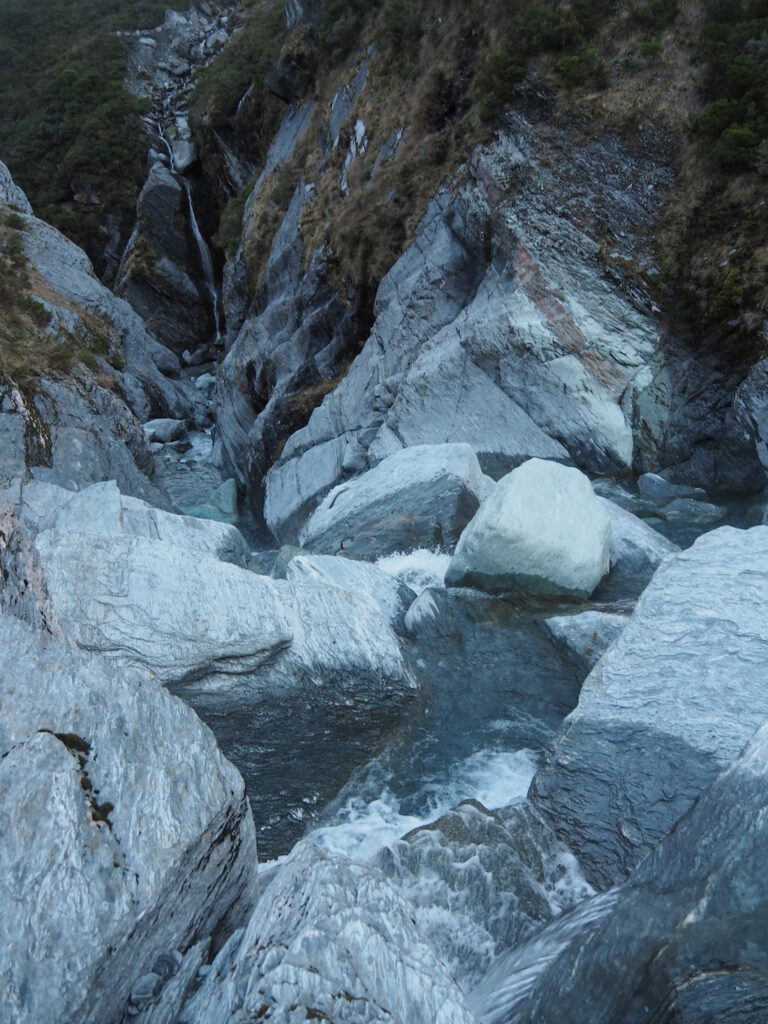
x=204, y=252
x=243, y=98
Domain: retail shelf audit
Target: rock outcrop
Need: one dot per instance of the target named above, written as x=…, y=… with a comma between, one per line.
x=126, y=835
x=683, y=939
x=668, y=706
x=540, y=531
x=329, y=939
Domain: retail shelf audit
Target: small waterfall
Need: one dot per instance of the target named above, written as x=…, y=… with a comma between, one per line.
x=243, y=98
x=204, y=252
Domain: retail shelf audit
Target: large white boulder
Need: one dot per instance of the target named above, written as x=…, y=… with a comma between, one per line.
x=418, y=497
x=125, y=834
x=541, y=531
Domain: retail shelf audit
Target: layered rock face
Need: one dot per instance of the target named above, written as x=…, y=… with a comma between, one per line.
x=109, y=859
x=669, y=705
x=683, y=939
x=329, y=939
x=479, y=340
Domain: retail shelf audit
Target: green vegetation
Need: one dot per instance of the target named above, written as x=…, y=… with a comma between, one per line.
x=735, y=49
x=28, y=346
x=66, y=118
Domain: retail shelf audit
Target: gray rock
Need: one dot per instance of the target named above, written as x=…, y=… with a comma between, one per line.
x=126, y=834
x=101, y=509
x=11, y=194
x=329, y=939
x=684, y=938
x=165, y=430
x=498, y=327
x=586, y=635
x=659, y=716
x=358, y=578
x=636, y=552
x=655, y=487
x=160, y=273
x=241, y=649
x=418, y=497
x=690, y=509
x=541, y=531
x=147, y=603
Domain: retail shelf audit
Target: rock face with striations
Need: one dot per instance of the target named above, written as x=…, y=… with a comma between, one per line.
x=126, y=835
x=418, y=497
x=540, y=531
x=684, y=939
x=668, y=706
x=330, y=939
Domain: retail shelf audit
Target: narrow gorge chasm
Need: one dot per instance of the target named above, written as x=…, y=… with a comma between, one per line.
x=383, y=512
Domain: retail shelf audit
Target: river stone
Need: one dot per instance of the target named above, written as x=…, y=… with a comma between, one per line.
x=125, y=832
x=418, y=497
x=165, y=430
x=655, y=487
x=587, y=635
x=670, y=704
x=691, y=510
x=686, y=939
x=541, y=531
x=332, y=940
x=367, y=581
x=147, y=603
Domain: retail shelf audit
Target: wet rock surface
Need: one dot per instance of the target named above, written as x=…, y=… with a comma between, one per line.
x=683, y=939
x=329, y=938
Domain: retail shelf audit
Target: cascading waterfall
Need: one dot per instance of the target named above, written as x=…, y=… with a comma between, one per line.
x=204, y=252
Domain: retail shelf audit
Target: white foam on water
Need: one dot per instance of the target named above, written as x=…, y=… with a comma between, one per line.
x=495, y=778
x=201, y=442
x=418, y=569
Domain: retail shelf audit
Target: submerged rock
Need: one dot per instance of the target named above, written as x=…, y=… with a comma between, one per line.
x=669, y=705
x=330, y=940
x=418, y=497
x=684, y=939
x=541, y=531
x=125, y=832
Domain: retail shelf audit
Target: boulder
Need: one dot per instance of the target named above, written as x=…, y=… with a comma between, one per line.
x=660, y=490
x=147, y=603
x=418, y=497
x=102, y=509
x=691, y=510
x=684, y=939
x=670, y=704
x=358, y=578
x=330, y=939
x=587, y=635
x=165, y=430
x=541, y=531
x=299, y=680
x=125, y=836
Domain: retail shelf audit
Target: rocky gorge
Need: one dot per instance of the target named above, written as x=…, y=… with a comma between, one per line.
x=381, y=641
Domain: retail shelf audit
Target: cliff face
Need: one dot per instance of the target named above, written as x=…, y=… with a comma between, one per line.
x=530, y=313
